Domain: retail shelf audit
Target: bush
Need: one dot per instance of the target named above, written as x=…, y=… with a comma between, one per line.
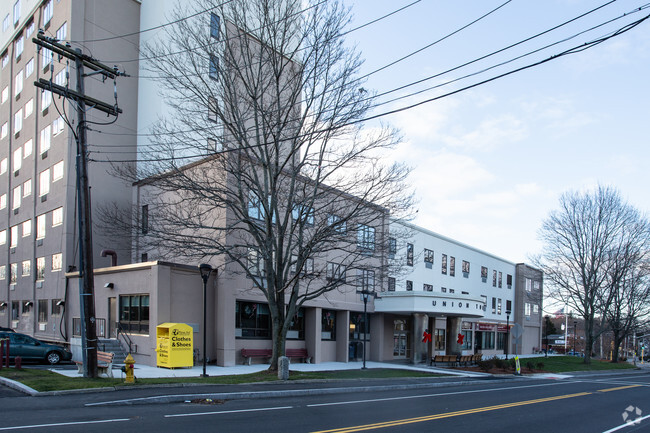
x=530, y=365
x=486, y=364
x=513, y=363
x=500, y=363
x=540, y=366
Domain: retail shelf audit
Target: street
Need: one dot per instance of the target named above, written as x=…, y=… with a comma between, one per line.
x=583, y=403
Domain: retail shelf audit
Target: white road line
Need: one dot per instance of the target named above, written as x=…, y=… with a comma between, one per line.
x=437, y=395
x=635, y=423
x=614, y=382
x=229, y=411
x=59, y=424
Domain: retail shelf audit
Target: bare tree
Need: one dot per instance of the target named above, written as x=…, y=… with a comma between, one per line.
x=263, y=168
x=583, y=242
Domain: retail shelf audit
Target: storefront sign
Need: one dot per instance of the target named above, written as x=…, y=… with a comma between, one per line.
x=485, y=326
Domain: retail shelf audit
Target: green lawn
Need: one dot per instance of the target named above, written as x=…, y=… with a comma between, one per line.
x=563, y=364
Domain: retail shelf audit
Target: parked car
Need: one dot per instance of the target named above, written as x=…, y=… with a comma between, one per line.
x=3, y=329
x=29, y=348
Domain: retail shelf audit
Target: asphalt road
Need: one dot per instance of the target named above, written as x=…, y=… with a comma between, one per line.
x=584, y=403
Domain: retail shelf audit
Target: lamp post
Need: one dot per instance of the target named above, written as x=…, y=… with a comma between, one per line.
x=205, y=271
x=365, y=294
x=507, y=331
x=575, y=326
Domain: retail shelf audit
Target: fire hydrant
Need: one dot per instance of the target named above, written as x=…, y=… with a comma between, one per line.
x=128, y=369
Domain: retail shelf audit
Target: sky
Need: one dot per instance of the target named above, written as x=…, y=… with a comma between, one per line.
x=490, y=163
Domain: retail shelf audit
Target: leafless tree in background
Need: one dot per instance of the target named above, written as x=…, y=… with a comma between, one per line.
x=264, y=168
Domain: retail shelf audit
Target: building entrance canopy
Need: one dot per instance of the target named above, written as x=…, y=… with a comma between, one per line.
x=430, y=303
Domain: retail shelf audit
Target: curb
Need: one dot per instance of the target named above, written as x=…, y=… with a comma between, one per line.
x=18, y=386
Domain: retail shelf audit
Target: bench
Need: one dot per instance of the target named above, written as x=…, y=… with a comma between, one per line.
x=466, y=359
x=256, y=353
x=450, y=359
x=299, y=353
x=104, y=364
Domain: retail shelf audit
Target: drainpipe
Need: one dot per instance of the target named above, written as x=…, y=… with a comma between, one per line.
x=111, y=253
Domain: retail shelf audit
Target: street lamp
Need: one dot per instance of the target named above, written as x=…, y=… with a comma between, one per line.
x=575, y=326
x=365, y=294
x=507, y=331
x=205, y=271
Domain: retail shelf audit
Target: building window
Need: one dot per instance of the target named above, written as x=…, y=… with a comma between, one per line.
x=48, y=12
x=256, y=208
x=56, y=307
x=44, y=182
x=16, y=12
x=19, y=46
x=499, y=306
x=57, y=262
x=3, y=237
x=57, y=171
x=214, y=67
x=509, y=306
x=484, y=273
x=15, y=310
x=30, y=28
x=452, y=266
x=409, y=254
x=57, y=216
x=366, y=237
x=3, y=272
x=13, y=273
x=14, y=237
x=29, y=108
x=427, y=287
x=40, y=226
x=529, y=285
x=252, y=320
x=5, y=26
x=40, y=268
x=494, y=278
x=58, y=126
x=328, y=325
x=42, y=310
x=28, y=148
x=29, y=67
x=62, y=32
x=391, y=284
x=501, y=340
x=428, y=258
x=527, y=309
x=465, y=268
x=500, y=279
x=4, y=130
x=296, y=329
x=26, y=306
x=27, y=228
x=409, y=285
x=26, y=268
x=3, y=201
x=443, y=289
x=509, y=281
x=5, y=59
x=214, y=26
x=358, y=328
x=18, y=159
x=44, y=143
x=213, y=108
x=5, y=95
x=303, y=214
x=145, y=219
x=536, y=285
x=467, y=340
x=336, y=272
x=440, y=339
x=3, y=166
x=337, y=224
x=485, y=340
x=392, y=247
x=18, y=83
x=444, y=264
x=366, y=279
x=134, y=313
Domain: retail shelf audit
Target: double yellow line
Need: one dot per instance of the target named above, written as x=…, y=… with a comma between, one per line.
x=462, y=412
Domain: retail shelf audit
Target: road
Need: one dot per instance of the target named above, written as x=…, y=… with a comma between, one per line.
x=583, y=403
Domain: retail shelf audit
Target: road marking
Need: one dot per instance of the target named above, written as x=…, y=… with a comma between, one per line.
x=618, y=388
x=437, y=395
x=228, y=411
x=627, y=424
x=59, y=424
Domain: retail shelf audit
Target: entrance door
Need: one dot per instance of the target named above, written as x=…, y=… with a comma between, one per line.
x=112, y=317
x=400, y=340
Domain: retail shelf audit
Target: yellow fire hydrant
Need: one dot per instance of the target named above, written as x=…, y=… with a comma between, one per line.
x=129, y=369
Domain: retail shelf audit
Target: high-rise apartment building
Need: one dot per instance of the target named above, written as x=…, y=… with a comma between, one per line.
x=38, y=150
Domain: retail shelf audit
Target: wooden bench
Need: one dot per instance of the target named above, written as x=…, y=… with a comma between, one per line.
x=449, y=359
x=104, y=364
x=256, y=353
x=299, y=353
x=466, y=359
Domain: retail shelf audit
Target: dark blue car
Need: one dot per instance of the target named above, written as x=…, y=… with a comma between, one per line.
x=31, y=349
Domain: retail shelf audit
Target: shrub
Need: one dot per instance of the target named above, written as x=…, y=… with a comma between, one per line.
x=540, y=366
x=500, y=363
x=513, y=363
x=486, y=364
x=530, y=365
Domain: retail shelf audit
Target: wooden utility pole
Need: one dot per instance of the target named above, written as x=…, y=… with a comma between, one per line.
x=86, y=286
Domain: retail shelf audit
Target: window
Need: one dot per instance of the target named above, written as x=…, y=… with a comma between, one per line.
x=17, y=197
x=18, y=159
x=467, y=340
x=57, y=262
x=509, y=281
x=26, y=305
x=30, y=29
x=494, y=278
x=29, y=67
x=366, y=237
x=42, y=310
x=536, y=285
x=44, y=182
x=494, y=305
x=366, y=279
x=48, y=12
x=60, y=78
x=134, y=313
x=529, y=285
x=16, y=12
x=3, y=272
x=252, y=320
x=328, y=325
x=335, y=272
x=255, y=263
x=46, y=99
x=336, y=223
x=500, y=279
x=27, y=228
x=28, y=148
x=19, y=46
x=57, y=171
x=409, y=254
x=508, y=306
x=499, y=306
x=452, y=266
x=465, y=267
x=40, y=268
x=214, y=26
x=3, y=166
x=3, y=237
x=46, y=57
x=444, y=264
x=56, y=307
x=5, y=59
x=535, y=308
x=303, y=214
x=14, y=310
x=62, y=32
x=392, y=247
x=5, y=26
x=13, y=273
x=57, y=216
x=484, y=273
x=213, y=108
x=427, y=287
x=443, y=289
x=485, y=340
x=5, y=94
x=27, y=188
x=256, y=208
x=27, y=268
x=428, y=258
x=501, y=340
x=214, y=67
x=29, y=107
x=4, y=130
x=440, y=339
x=57, y=126
x=40, y=226
x=296, y=329
x=409, y=285
x=3, y=201
x=391, y=284
x=144, y=219
x=358, y=328
x=527, y=309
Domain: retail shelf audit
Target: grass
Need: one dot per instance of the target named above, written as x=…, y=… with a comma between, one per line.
x=563, y=364
x=45, y=380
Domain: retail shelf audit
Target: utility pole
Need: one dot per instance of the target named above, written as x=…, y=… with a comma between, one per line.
x=86, y=285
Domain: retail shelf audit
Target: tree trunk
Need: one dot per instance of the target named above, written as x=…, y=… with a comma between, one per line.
x=279, y=337
x=589, y=340
x=618, y=339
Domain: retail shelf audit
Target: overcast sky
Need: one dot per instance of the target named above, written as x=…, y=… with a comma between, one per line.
x=490, y=163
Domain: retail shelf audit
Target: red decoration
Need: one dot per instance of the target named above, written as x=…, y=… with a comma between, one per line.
x=461, y=337
x=426, y=337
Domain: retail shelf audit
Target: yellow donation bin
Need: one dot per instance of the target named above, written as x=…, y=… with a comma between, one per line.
x=175, y=344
